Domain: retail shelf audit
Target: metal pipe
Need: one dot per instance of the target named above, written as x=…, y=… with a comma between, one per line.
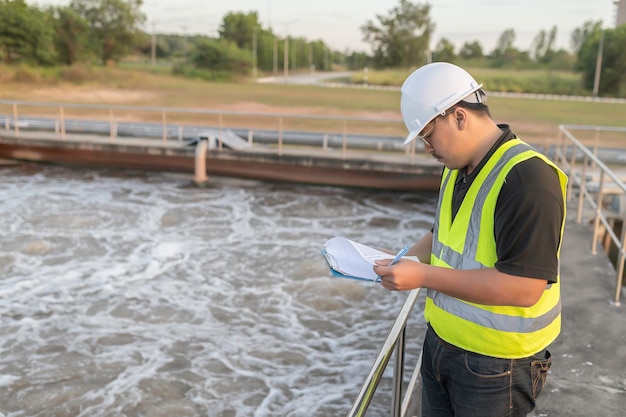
x=200, y=178
x=398, y=375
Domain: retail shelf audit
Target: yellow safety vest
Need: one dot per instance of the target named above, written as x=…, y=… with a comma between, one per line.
x=469, y=243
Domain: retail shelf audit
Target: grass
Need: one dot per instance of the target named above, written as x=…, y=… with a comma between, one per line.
x=503, y=80
x=533, y=120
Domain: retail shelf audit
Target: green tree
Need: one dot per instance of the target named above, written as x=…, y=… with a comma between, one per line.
x=580, y=35
x=562, y=60
x=217, y=55
x=245, y=31
x=113, y=25
x=400, y=38
x=505, y=54
x=70, y=35
x=471, y=50
x=444, y=52
x=240, y=28
x=320, y=51
x=25, y=34
x=613, y=72
x=505, y=43
x=542, y=47
x=358, y=61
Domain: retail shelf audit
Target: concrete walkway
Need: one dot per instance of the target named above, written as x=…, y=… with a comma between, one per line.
x=588, y=374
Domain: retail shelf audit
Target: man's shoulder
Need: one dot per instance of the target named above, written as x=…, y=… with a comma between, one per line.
x=531, y=179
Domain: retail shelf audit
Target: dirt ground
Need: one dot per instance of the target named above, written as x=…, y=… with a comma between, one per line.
x=90, y=95
x=538, y=134
x=83, y=94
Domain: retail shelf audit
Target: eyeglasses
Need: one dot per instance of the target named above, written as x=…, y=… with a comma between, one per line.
x=425, y=136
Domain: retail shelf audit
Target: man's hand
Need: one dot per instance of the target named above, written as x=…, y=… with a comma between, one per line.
x=405, y=275
x=483, y=286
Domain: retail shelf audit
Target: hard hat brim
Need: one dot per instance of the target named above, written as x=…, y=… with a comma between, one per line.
x=410, y=137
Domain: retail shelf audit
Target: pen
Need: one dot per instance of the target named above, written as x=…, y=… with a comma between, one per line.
x=399, y=255
x=395, y=259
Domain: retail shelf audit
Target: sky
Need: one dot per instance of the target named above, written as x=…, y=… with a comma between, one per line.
x=338, y=22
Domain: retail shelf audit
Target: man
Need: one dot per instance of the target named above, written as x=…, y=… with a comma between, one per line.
x=490, y=264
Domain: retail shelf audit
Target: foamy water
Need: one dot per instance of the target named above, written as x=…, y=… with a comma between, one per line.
x=133, y=294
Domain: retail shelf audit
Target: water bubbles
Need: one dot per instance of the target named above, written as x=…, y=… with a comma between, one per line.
x=131, y=293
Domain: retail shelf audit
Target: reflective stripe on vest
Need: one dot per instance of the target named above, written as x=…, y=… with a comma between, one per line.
x=498, y=331
x=471, y=238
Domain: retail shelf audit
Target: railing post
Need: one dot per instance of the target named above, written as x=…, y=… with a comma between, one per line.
x=280, y=135
x=344, y=143
x=62, y=122
x=220, y=125
x=582, y=191
x=596, y=144
x=112, y=127
x=596, y=223
x=398, y=376
x=250, y=136
x=558, y=157
x=620, y=266
x=572, y=166
x=16, y=125
x=164, y=123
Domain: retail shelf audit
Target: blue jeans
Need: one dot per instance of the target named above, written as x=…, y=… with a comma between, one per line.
x=459, y=383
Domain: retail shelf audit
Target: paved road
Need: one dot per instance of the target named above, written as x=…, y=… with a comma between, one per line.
x=308, y=78
x=326, y=79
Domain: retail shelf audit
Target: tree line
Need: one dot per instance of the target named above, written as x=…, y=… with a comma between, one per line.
x=103, y=31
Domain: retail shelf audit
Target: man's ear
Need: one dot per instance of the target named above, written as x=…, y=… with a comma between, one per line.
x=461, y=118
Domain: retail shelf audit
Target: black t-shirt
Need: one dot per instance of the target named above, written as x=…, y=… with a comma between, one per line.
x=528, y=215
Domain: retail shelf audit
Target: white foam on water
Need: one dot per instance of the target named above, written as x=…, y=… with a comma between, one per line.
x=137, y=294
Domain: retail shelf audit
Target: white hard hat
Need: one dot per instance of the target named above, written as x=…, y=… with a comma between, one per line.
x=431, y=90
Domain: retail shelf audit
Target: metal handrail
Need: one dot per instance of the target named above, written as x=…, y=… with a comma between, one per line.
x=595, y=200
x=395, y=342
x=340, y=128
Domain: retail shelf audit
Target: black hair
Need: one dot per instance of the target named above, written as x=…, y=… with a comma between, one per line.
x=475, y=107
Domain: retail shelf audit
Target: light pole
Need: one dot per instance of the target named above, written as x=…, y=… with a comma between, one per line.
x=153, y=47
x=254, y=54
x=286, y=50
x=275, y=54
x=596, y=80
x=286, y=58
